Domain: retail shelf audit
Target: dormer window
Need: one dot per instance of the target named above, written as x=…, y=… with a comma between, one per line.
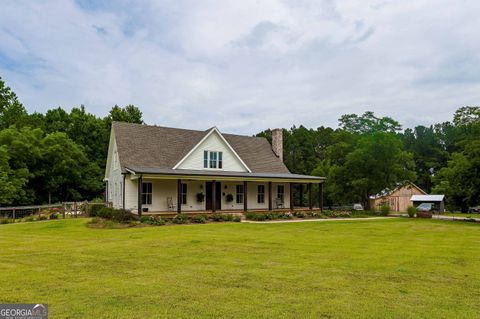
x=212, y=159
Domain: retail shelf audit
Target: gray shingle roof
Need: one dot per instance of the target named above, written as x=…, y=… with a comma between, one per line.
x=163, y=147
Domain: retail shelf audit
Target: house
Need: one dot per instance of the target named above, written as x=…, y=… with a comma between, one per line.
x=155, y=170
x=438, y=201
x=397, y=198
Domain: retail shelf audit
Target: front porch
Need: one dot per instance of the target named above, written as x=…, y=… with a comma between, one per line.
x=164, y=195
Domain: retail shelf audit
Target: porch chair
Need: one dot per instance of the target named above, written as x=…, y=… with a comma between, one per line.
x=171, y=205
x=279, y=203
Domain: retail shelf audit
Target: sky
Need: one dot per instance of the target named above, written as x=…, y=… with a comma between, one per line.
x=245, y=66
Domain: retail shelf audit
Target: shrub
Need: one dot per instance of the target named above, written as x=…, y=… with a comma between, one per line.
x=217, y=217
x=286, y=215
x=261, y=217
x=5, y=221
x=42, y=217
x=300, y=214
x=384, y=210
x=30, y=218
x=236, y=219
x=121, y=215
x=411, y=211
x=329, y=213
x=53, y=216
x=343, y=214
x=105, y=212
x=250, y=216
x=180, y=219
x=199, y=219
x=157, y=221
x=145, y=219
x=93, y=210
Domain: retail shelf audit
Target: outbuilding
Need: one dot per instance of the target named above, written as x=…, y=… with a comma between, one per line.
x=398, y=198
x=437, y=200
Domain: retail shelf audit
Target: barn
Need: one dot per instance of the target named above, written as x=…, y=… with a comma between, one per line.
x=398, y=198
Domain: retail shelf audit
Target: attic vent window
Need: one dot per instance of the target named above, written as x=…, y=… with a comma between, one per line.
x=212, y=159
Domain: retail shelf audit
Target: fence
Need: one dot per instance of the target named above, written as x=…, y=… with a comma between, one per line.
x=66, y=210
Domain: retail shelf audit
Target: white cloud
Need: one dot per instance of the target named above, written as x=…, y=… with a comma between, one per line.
x=245, y=65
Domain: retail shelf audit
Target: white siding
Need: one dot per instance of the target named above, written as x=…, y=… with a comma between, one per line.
x=213, y=143
x=162, y=189
x=115, y=178
x=252, y=190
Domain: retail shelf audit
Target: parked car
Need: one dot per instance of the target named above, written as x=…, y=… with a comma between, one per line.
x=475, y=209
x=357, y=207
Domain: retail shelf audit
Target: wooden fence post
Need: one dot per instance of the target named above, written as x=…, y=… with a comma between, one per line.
x=75, y=208
x=14, y=215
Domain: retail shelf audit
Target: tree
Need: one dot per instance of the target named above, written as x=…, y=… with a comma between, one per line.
x=129, y=113
x=65, y=172
x=377, y=162
x=429, y=153
x=460, y=180
x=466, y=115
x=368, y=123
x=24, y=157
x=11, y=181
x=12, y=111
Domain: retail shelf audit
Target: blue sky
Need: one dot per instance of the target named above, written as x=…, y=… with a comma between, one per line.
x=245, y=66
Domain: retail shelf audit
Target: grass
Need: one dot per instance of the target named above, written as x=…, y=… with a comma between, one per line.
x=395, y=268
x=467, y=215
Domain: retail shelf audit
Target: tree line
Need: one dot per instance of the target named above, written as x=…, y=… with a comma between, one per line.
x=61, y=156
x=367, y=154
x=53, y=157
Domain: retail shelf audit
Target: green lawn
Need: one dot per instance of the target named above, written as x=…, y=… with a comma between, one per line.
x=396, y=268
x=467, y=215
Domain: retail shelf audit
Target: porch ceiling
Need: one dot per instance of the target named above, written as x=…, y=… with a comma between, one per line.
x=164, y=173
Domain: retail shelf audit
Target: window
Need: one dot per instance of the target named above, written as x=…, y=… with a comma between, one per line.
x=281, y=192
x=219, y=159
x=183, y=194
x=205, y=159
x=212, y=159
x=147, y=193
x=240, y=194
x=261, y=194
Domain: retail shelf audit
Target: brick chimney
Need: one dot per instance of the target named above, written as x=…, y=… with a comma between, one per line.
x=277, y=142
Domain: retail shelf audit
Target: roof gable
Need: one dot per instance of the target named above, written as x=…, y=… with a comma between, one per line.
x=163, y=147
x=213, y=141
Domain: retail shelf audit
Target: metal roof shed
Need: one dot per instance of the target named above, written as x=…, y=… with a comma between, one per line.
x=438, y=200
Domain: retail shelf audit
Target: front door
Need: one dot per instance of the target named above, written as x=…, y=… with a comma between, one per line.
x=209, y=196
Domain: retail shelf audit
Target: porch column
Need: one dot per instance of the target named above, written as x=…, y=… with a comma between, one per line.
x=320, y=196
x=214, y=196
x=123, y=192
x=310, y=199
x=140, y=201
x=179, y=196
x=245, y=196
x=291, y=196
x=106, y=193
x=301, y=196
x=269, y=195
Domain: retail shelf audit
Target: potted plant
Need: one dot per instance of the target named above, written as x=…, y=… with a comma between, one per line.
x=200, y=197
x=229, y=198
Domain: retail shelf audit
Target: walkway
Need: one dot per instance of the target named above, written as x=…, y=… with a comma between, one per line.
x=310, y=220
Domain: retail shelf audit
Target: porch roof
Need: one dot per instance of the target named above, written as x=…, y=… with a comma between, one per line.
x=213, y=174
